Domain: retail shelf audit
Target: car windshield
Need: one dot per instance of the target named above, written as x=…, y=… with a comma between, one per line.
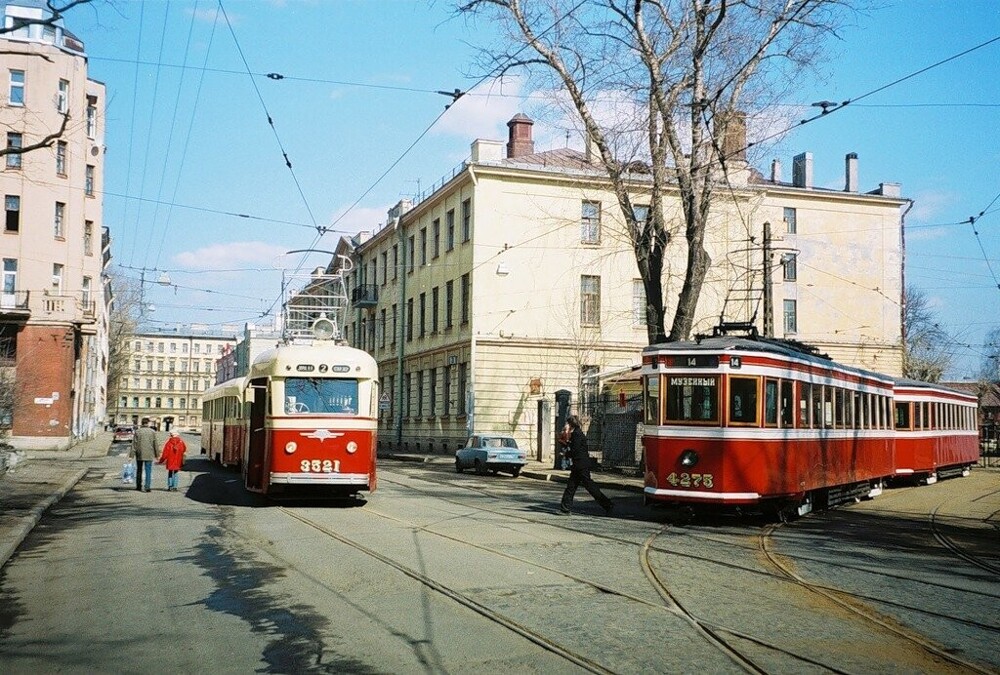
x=499, y=443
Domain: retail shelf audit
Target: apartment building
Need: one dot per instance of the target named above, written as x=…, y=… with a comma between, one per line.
x=169, y=369
x=54, y=247
x=513, y=282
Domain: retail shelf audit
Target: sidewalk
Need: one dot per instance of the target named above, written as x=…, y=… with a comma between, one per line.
x=606, y=480
x=39, y=479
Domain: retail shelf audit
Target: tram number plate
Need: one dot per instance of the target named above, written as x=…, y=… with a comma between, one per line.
x=320, y=466
x=691, y=480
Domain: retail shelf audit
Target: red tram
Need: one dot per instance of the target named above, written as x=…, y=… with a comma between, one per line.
x=754, y=423
x=936, y=435
x=304, y=422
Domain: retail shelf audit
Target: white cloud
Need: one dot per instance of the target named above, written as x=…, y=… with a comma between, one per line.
x=484, y=111
x=230, y=255
x=930, y=205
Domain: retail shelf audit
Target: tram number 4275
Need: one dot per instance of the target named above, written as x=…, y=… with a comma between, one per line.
x=320, y=466
x=691, y=480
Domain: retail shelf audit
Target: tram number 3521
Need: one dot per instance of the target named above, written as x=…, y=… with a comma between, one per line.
x=691, y=480
x=317, y=466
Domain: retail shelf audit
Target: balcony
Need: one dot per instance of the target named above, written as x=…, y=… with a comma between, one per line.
x=15, y=305
x=365, y=295
x=73, y=308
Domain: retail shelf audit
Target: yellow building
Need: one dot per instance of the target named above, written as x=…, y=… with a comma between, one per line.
x=513, y=278
x=54, y=248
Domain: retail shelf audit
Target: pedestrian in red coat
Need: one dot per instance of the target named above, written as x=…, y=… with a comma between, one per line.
x=173, y=457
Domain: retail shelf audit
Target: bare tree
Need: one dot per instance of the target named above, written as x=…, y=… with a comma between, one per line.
x=686, y=67
x=989, y=370
x=925, y=344
x=126, y=308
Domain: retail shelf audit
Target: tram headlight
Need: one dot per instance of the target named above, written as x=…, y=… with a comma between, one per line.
x=689, y=458
x=352, y=447
x=324, y=328
x=290, y=447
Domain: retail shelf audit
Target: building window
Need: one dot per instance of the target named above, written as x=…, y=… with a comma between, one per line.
x=447, y=390
x=449, y=303
x=791, y=320
x=588, y=388
x=381, y=342
x=638, y=303
x=88, y=181
x=409, y=320
x=590, y=223
x=91, y=121
x=466, y=220
x=395, y=260
x=436, y=233
x=62, y=97
x=17, y=87
x=641, y=213
x=61, y=158
x=15, y=142
x=420, y=393
x=12, y=203
x=590, y=300
x=423, y=246
x=789, y=217
x=434, y=309
x=57, y=278
x=395, y=326
x=408, y=388
x=57, y=222
x=137, y=346
x=450, y=230
x=88, y=237
x=385, y=267
x=411, y=254
x=788, y=262
x=85, y=293
x=466, y=292
x=462, y=375
x=423, y=314
x=9, y=282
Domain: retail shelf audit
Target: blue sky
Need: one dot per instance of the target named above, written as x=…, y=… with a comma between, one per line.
x=188, y=146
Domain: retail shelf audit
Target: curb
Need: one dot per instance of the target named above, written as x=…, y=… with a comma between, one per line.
x=8, y=548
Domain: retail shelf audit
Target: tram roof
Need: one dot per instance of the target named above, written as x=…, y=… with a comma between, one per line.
x=284, y=359
x=902, y=382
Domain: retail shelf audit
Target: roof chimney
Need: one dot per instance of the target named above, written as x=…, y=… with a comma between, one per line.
x=802, y=170
x=775, y=171
x=732, y=128
x=851, y=172
x=519, y=141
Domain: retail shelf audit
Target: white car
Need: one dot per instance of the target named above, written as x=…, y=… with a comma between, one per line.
x=490, y=452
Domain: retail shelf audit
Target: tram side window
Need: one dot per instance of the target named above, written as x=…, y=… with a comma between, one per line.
x=805, y=394
x=771, y=403
x=840, y=416
x=692, y=399
x=817, y=406
x=652, y=399
x=743, y=400
x=902, y=415
x=787, y=411
x=312, y=395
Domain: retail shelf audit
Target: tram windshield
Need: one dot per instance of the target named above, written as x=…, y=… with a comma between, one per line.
x=692, y=399
x=314, y=395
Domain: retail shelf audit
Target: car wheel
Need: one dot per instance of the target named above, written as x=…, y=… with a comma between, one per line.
x=480, y=467
x=458, y=467
x=516, y=471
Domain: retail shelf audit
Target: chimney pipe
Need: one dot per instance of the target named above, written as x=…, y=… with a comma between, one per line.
x=775, y=171
x=519, y=141
x=851, y=172
x=802, y=170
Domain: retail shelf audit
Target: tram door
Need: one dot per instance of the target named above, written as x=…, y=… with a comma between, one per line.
x=257, y=445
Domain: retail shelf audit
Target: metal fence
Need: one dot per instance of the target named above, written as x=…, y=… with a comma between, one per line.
x=615, y=428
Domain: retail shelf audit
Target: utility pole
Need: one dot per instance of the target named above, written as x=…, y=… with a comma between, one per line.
x=768, y=299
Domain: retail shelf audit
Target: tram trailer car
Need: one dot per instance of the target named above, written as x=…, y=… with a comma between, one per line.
x=311, y=411
x=748, y=424
x=936, y=431
x=223, y=431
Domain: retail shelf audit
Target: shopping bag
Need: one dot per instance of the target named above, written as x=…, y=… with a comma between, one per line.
x=128, y=472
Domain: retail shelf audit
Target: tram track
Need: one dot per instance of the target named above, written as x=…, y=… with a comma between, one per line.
x=954, y=548
x=850, y=602
x=710, y=632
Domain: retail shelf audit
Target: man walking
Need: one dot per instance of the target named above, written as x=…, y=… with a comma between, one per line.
x=144, y=451
x=579, y=472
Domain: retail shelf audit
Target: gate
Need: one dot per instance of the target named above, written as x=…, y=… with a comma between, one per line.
x=615, y=428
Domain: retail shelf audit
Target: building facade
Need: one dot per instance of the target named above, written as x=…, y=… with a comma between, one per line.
x=514, y=284
x=167, y=374
x=54, y=248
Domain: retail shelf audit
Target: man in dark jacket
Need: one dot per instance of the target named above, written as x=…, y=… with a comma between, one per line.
x=579, y=472
x=144, y=451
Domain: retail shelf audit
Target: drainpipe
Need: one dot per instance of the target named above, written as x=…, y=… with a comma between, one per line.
x=401, y=331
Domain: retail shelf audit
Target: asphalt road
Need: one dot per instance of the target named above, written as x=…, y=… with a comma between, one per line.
x=441, y=573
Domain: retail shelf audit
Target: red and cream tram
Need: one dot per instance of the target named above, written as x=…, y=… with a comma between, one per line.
x=222, y=429
x=306, y=424
x=747, y=422
x=936, y=434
